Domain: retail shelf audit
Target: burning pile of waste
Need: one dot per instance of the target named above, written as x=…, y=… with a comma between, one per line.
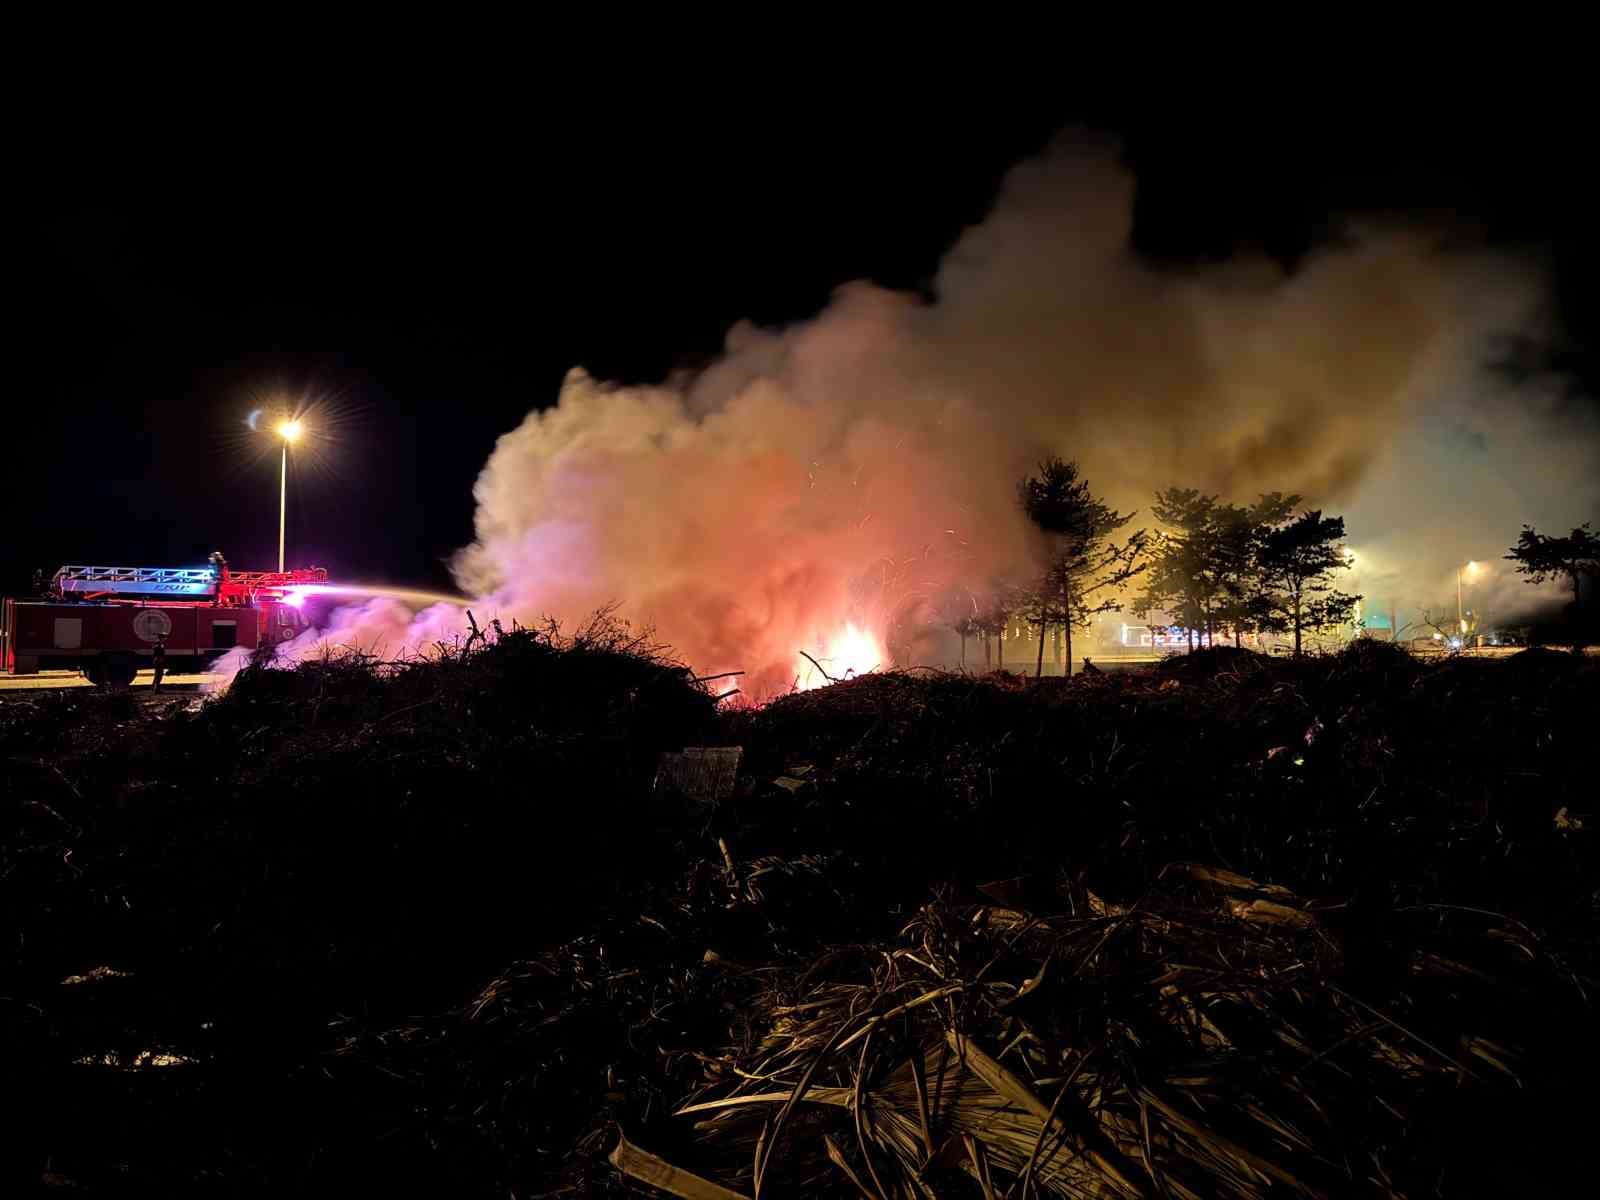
x=493, y=918
x=1114, y=1022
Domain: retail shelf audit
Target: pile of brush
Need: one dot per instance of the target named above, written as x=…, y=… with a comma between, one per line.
x=350, y=836
x=1211, y=1038
x=454, y=923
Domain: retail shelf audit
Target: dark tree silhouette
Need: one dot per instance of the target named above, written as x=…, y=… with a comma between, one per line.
x=1540, y=556
x=965, y=628
x=1083, y=565
x=1182, y=581
x=1242, y=602
x=1206, y=566
x=1005, y=599
x=1297, y=565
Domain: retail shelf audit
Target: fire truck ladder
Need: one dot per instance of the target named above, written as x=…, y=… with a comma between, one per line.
x=252, y=580
x=136, y=581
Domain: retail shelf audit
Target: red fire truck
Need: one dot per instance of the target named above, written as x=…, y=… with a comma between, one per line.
x=105, y=621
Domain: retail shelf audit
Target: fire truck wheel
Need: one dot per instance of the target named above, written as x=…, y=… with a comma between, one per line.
x=95, y=673
x=120, y=670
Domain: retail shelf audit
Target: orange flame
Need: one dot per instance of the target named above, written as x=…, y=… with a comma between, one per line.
x=851, y=651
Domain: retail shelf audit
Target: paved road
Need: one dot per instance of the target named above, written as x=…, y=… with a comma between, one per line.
x=71, y=679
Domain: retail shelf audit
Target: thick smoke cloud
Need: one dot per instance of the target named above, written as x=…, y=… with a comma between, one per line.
x=856, y=464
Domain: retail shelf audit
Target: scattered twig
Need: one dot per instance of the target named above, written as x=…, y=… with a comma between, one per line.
x=818, y=666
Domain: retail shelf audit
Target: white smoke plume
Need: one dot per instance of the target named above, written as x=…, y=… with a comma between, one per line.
x=858, y=463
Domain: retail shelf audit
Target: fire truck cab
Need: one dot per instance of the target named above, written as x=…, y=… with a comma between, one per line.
x=105, y=622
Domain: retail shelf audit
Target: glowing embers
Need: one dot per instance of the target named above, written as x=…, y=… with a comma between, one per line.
x=850, y=652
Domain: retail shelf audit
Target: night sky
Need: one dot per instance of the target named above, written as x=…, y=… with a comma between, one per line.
x=427, y=273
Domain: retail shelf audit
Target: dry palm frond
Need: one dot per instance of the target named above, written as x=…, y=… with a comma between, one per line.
x=1184, y=1049
x=657, y=1172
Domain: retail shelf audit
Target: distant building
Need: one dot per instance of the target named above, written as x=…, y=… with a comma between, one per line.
x=1174, y=638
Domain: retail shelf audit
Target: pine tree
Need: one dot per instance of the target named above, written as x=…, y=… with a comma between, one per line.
x=1540, y=556
x=1242, y=604
x=1084, y=567
x=1297, y=563
x=1182, y=581
x=1206, y=566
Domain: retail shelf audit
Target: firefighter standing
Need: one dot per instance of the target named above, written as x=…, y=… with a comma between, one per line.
x=158, y=659
x=219, y=572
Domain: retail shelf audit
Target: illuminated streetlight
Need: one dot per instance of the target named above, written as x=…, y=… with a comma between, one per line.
x=289, y=430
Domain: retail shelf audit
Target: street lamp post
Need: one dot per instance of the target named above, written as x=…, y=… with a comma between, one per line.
x=288, y=430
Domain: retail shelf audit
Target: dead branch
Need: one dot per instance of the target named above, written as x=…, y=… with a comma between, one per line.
x=818, y=666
